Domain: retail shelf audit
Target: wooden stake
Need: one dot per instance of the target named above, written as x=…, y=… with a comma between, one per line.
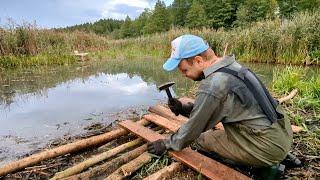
x=165, y=172
x=130, y=167
x=94, y=160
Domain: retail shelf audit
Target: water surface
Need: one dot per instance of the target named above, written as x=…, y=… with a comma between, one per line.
x=40, y=104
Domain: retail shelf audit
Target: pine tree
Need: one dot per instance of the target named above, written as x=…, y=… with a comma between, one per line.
x=256, y=10
x=289, y=7
x=126, y=28
x=179, y=10
x=196, y=16
x=220, y=13
x=159, y=20
x=139, y=23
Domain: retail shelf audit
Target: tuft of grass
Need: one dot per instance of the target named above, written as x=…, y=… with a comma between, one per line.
x=290, y=78
x=154, y=165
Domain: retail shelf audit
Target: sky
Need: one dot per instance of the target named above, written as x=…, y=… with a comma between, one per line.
x=62, y=13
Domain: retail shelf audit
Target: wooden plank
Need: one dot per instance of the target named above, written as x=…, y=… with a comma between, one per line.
x=163, y=122
x=205, y=165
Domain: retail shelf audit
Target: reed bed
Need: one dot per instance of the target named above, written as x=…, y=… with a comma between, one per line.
x=295, y=41
x=27, y=45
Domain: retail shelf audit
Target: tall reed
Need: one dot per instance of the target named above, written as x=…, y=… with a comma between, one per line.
x=22, y=45
x=295, y=41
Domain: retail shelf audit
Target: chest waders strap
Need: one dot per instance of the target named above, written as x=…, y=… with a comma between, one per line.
x=266, y=102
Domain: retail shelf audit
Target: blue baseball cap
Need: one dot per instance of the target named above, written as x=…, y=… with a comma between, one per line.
x=184, y=46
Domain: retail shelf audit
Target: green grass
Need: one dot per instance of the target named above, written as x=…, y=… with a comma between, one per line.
x=36, y=60
x=27, y=45
x=285, y=80
x=303, y=110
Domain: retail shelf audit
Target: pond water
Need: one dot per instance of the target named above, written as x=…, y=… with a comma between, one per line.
x=40, y=104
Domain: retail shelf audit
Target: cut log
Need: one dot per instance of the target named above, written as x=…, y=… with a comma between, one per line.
x=130, y=167
x=64, y=149
x=204, y=165
x=165, y=172
x=110, y=166
x=94, y=160
x=165, y=112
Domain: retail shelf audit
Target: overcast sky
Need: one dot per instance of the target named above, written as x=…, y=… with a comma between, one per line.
x=61, y=13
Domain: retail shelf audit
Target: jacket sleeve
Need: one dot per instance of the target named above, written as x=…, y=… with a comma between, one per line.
x=206, y=105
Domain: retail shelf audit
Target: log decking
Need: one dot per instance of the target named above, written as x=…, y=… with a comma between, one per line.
x=204, y=165
x=111, y=166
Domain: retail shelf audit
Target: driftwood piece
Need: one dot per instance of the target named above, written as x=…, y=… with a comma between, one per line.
x=205, y=165
x=95, y=159
x=130, y=167
x=64, y=149
x=110, y=166
x=165, y=172
x=291, y=95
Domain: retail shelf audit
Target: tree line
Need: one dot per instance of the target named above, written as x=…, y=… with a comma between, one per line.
x=198, y=14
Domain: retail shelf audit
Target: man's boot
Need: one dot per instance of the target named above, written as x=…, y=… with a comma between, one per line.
x=272, y=172
x=291, y=161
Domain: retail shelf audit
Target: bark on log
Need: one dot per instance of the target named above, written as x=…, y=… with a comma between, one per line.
x=64, y=149
x=130, y=167
x=94, y=160
x=165, y=172
x=110, y=166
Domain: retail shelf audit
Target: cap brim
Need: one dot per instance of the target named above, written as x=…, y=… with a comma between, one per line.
x=171, y=64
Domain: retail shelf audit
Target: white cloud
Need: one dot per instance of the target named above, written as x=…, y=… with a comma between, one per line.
x=109, y=8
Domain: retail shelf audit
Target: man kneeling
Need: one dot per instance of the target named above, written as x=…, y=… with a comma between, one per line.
x=256, y=131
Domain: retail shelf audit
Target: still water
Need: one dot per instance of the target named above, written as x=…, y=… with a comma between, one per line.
x=40, y=104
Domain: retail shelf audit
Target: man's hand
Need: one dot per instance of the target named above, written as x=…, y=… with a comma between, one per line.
x=175, y=106
x=157, y=147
